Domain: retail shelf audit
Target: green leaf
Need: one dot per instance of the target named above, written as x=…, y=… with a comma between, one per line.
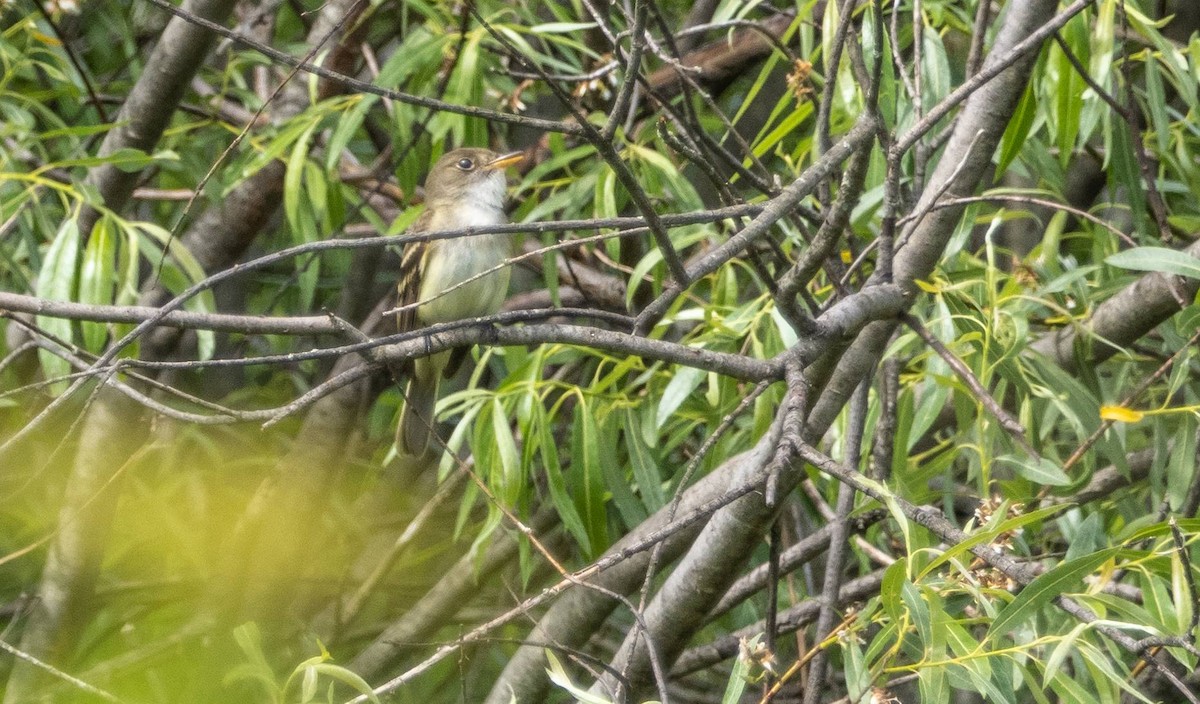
x=932, y=685
x=178, y=271
x=1017, y=133
x=936, y=68
x=1123, y=172
x=561, y=27
x=308, y=684
x=786, y=127
x=558, y=675
x=347, y=126
x=632, y=511
x=56, y=282
x=894, y=578
x=585, y=456
x=1065, y=647
x=127, y=159
x=681, y=386
x=737, y=679
x=1069, y=90
x=511, y=477
x=1042, y=470
x=559, y=496
x=986, y=534
x=645, y=471
x=97, y=279
x=1158, y=602
x=346, y=677
x=1156, y=102
x=1057, y=581
x=1160, y=259
x=918, y=610
x=933, y=399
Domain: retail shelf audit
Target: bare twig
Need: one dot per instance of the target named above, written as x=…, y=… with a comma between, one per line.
x=1000, y=64
x=54, y=671
x=1010, y=425
x=364, y=87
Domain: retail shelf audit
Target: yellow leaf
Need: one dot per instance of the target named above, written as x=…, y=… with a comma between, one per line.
x=1120, y=414
x=847, y=256
x=928, y=287
x=46, y=39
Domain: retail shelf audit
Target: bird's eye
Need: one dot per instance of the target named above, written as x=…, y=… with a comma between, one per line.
x=465, y=164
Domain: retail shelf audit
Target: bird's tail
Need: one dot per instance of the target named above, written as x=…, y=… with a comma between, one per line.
x=417, y=421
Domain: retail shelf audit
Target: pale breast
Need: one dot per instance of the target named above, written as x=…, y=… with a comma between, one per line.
x=454, y=261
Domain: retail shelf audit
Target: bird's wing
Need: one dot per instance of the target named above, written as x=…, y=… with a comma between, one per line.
x=412, y=267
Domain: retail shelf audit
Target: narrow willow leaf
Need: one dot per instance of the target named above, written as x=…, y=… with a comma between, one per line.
x=347, y=677
x=890, y=589
x=1057, y=581
x=1018, y=129
x=561, y=27
x=645, y=470
x=558, y=675
x=347, y=125
x=512, y=480
x=737, y=679
x=678, y=390
x=308, y=685
x=1156, y=103
x=932, y=685
x=1065, y=647
x=987, y=534
x=97, y=279
x=1041, y=470
x=615, y=480
x=1124, y=174
x=589, y=479
x=936, y=68
x=1160, y=259
x=57, y=282
x=1069, y=89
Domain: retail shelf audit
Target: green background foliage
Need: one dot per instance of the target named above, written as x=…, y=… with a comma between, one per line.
x=588, y=443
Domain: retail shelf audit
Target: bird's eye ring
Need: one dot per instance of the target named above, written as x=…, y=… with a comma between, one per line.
x=465, y=164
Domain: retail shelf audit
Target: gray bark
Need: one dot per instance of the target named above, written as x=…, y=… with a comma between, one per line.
x=575, y=616
x=148, y=110
x=1121, y=320
x=967, y=157
x=707, y=568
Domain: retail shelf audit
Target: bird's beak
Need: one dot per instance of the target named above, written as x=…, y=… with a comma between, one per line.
x=504, y=161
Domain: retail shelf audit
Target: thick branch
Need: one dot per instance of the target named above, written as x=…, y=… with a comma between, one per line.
x=151, y=103
x=966, y=158
x=1122, y=319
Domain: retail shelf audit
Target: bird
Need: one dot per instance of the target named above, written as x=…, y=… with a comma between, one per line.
x=465, y=188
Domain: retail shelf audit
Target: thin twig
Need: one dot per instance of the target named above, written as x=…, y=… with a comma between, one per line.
x=1010, y=425
x=998, y=65
x=1129, y=399
x=363, y=86
x=74, y=681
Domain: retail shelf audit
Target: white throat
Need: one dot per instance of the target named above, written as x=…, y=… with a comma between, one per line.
x=482, y=205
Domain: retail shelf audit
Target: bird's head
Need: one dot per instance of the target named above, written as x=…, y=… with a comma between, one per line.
x=471, y=175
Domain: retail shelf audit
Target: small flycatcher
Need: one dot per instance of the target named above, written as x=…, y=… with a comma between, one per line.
x=465, y=188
